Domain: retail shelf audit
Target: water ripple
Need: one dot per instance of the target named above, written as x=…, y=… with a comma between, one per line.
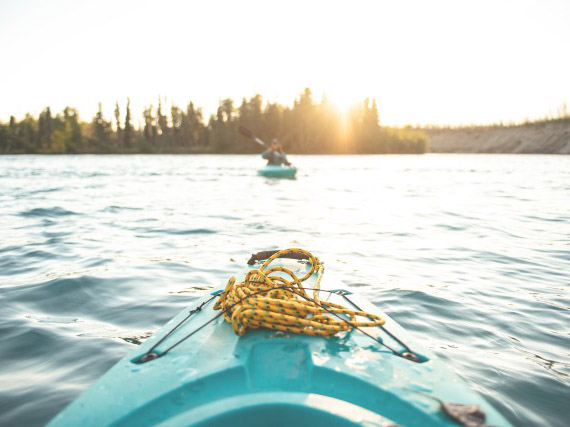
x=47, y=212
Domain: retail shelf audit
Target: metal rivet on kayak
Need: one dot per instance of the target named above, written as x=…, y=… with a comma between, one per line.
x=148, y=357
x=410, y=356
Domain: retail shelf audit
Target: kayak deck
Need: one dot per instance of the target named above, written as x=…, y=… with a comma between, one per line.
x=214, y=377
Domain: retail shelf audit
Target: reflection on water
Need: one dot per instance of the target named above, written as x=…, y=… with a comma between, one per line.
x=469, y=253
x=137, y=339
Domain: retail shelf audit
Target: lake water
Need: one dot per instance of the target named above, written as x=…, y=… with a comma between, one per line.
x=471, y=253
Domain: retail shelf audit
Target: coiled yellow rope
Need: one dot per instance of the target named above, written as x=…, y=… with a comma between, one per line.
x=267, y=300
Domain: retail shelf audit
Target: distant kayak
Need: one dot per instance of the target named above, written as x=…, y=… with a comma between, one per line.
x=278, y=349
x=273, y=171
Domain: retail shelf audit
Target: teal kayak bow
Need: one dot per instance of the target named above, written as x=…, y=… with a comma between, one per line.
x=198, y=371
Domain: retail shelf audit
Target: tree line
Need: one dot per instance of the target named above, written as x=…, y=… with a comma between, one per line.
x=306, y=127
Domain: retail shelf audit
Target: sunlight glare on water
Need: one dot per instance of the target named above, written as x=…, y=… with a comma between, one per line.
x=470, y=253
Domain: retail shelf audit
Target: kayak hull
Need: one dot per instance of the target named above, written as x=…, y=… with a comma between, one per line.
x=266, y=377
x=272, y=171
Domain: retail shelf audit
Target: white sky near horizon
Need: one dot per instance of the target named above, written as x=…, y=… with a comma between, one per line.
x=438, y=62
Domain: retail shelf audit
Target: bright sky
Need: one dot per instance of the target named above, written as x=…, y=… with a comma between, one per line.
x=436, y=61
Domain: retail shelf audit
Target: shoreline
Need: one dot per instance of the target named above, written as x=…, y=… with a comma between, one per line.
x=542, y=137
x=548, y=137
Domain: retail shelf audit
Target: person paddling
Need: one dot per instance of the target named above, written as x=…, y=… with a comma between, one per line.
x=275, y=155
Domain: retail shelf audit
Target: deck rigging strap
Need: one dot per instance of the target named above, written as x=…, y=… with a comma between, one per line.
x=267, y=300
x=150, y=354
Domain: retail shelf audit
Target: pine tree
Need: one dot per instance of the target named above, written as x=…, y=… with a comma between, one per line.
x=73, y=137
x=4, y=139
x=162, y=123
x=118, y=124
x=14, y=141
x=128, y=135
x=176, y=116
x=194, y=131
x=149, y=127
x=48, y=123
x=101, y=129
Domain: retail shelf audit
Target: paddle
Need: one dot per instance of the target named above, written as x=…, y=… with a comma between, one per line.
x=249, y=134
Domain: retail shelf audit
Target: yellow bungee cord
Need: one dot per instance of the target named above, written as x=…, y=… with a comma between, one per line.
x=267, y=300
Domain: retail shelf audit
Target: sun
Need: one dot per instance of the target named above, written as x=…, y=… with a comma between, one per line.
x=342, y=100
